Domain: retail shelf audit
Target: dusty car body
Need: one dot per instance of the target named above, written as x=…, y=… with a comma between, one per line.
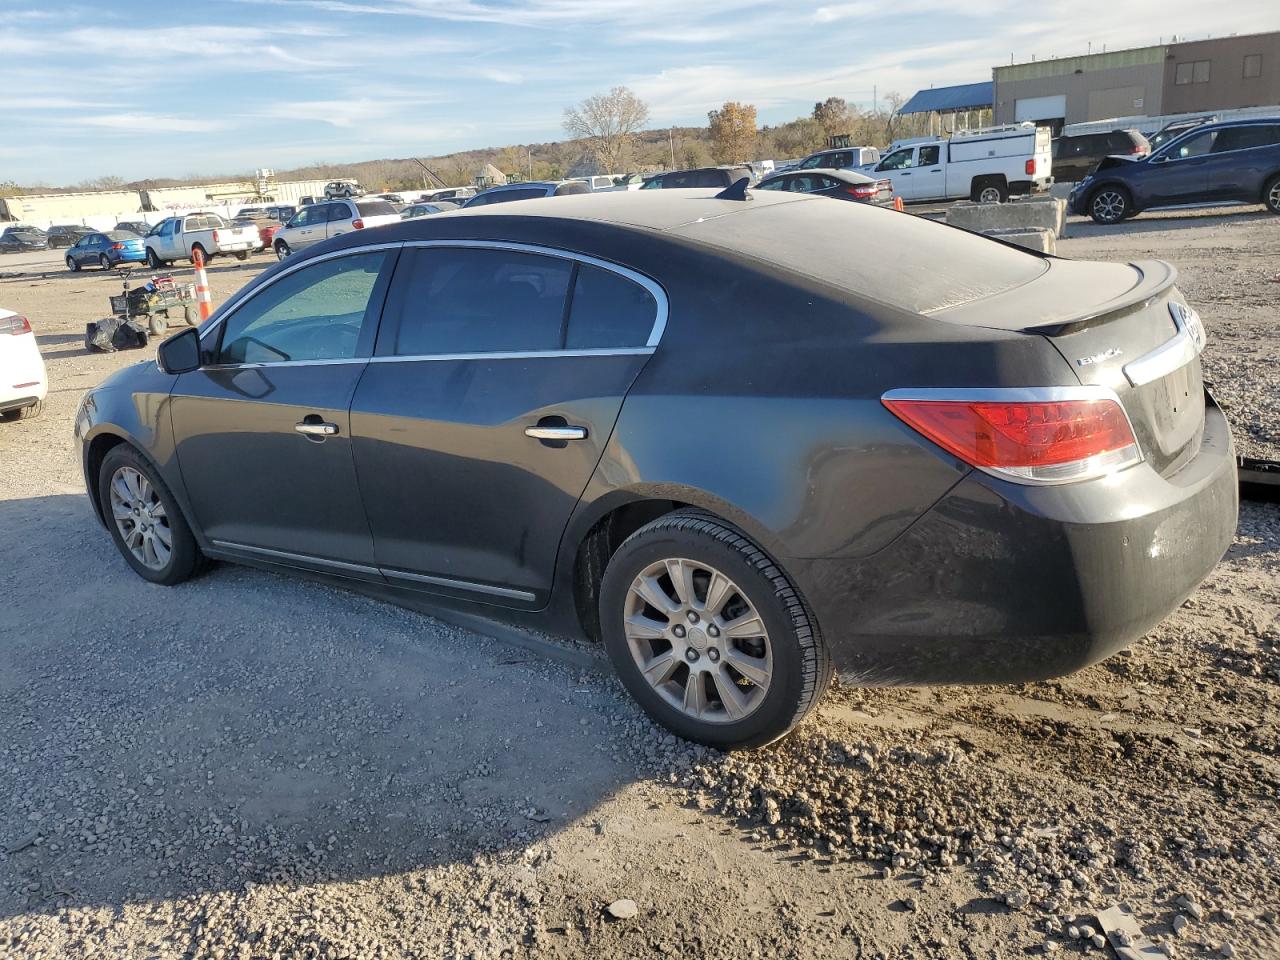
x=1003, y=470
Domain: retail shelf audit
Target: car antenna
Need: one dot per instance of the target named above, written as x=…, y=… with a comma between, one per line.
x=736, y=190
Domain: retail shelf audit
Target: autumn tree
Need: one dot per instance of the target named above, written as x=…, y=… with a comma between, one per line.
x=833, y=114
x=733, y=132
x=607, y=122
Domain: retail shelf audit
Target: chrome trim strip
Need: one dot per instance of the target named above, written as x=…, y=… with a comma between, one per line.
x=1174, y=353
x=461, y=585
x=286, y=555
x=283, y=363
x=1090, y=469
x=659, y=294
x=518, y=355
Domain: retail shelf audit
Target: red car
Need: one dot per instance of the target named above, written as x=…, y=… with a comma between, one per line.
x=266, y=230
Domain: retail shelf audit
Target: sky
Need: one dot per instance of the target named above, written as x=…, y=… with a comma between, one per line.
x=141, y=89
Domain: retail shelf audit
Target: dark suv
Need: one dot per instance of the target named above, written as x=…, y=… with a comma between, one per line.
x=68, y=235
x=698, y=177
x=1074, y=157
x=1233, y=162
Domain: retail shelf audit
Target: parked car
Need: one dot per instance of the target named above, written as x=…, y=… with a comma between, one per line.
x=138, y=228
x=281, y=212
x=308, y=201
x=23, y=380
x=424, y=210
x=22, y=240
x=841, y=158
x=599, y=183
x=630, y=181
x=267, y=229
x=698, y=177
x=1074, y=157
x=178, y=238
x=334, y=218
x=64, y=235
x=987, y=165
x=106, y=250
x=392, y=198
x=458, y=194
x=530, y=190
x=893, y=464
x=840, y=184
x=346, y=189
x=1235, y=161
x=1176, y=129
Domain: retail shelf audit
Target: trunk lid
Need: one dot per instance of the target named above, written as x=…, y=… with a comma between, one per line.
x=1120, y=326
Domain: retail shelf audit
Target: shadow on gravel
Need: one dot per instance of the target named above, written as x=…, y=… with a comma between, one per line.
x=1163, y=221
x=160, y=743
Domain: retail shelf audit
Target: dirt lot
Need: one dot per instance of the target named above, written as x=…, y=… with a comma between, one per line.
x=249, y=766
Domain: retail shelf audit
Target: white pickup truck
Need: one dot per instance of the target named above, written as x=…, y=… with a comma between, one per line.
x=177, y=238
x=986, y=165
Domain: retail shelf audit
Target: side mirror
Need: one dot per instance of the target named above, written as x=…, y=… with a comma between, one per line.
x=180, y=353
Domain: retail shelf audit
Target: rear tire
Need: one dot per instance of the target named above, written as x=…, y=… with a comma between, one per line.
x=158, y=512
x=103, y=262
x=1271, y=194
x=990, y=191
x=1110, y=205
x=24, y=413
x=242, y=256
x=692, y=654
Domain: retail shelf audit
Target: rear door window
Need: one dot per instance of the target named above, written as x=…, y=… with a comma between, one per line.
x=929, y=155
x=473, y=300
x=608, y=311
x=339, y=211
x=1243, y=138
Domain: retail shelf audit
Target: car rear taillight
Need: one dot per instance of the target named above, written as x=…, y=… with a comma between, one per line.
x=358, y=224
x=1031, y=167
x=14, y=325
x=1051, y=435
x=117, y=246
x=862, y=191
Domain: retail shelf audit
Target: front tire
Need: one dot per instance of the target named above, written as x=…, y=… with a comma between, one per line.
x=153, y=260
x=1110, y=205
x=73, y=265
x=708, y=634
x=103, y=262
x=1271, y=194
x=282, y=250
x=145, y=520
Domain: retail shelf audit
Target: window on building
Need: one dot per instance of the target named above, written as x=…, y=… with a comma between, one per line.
x=1252, y=66
x=1193, y=71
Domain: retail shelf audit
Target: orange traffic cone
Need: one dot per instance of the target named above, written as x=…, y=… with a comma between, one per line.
x=898, y=204
x=202, y=284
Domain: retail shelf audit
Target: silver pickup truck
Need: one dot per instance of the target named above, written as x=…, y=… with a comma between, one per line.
x=177, y=238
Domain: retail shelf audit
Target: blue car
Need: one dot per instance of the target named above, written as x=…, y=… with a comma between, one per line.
x=1230, y=162
x=106, y=250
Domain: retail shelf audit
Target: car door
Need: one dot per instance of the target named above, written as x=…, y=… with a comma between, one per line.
x=262, y=429
x=1179, y=173
x=340, y=219
x=928, y=182
x=896, y=167
x=313, y=226
x=1236, y=166
x=77, y=252
x=486, y=407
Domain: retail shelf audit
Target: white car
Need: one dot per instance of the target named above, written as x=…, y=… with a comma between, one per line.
x=331, y=219
x=23, y=381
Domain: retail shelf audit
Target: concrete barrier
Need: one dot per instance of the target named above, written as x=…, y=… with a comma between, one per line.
x=1044, y=213
x=1033, y=238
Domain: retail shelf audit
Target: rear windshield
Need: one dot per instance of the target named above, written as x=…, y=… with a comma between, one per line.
x=376, y=208
x=869, y=251
x=122, y=235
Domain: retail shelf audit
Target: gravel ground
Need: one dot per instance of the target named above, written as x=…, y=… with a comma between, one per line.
x=252, y=766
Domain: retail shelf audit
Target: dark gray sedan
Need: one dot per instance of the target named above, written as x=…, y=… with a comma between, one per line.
x=743, y=443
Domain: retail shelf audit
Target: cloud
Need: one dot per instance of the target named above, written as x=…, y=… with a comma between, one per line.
x=140, y=123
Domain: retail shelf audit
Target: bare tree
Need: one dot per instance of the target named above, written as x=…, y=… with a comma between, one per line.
x=834, y=115
x=607, y=121
x=733, y=131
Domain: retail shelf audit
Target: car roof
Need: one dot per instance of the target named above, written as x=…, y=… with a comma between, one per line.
x=848, y=176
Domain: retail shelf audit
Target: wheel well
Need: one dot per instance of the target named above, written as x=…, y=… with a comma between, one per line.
x=99, y=447
x=600, y=543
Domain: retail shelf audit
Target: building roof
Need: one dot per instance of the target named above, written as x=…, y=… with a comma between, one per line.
x=966, y=96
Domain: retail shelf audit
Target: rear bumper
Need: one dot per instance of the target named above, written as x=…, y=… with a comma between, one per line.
x=1004, y=583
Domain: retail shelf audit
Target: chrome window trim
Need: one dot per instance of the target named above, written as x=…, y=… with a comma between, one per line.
x=253, y=365
x=1174, y=353
x=655, y=289
x=1090, y=469
x=508, y=592
x=519, y=355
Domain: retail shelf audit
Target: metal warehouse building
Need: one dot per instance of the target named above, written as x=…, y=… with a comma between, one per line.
x=1178, y=77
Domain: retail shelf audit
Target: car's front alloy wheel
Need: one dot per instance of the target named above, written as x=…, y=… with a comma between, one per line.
x=145, y=520
x=1109, y=205
x=708, y=633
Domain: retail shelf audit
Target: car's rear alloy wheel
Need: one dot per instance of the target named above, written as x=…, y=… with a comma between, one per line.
x=1271, y=195
x=103, y=262
x=145, y=520
x=1109, y=206
x=709, y=635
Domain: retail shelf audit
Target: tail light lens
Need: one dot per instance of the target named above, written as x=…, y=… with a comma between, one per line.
x=358, y=224
x=1054, y=435
x=862, y=191
x=1031, y=167
x=117, y=246
x=14, y=326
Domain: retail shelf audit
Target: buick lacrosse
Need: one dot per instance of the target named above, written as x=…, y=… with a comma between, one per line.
x=743, y=442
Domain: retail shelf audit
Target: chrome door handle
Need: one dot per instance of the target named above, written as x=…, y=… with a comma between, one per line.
x=556, y=433
x=316, y=429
